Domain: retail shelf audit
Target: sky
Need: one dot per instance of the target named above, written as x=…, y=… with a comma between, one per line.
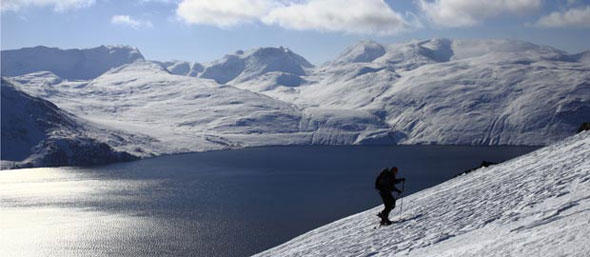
x=205, y=30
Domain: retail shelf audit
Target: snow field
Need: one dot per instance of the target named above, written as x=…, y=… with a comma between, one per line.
x=439, y=91
x=533, y=205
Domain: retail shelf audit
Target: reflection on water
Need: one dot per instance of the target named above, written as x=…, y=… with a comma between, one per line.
x=57, y=212
x=225, y=203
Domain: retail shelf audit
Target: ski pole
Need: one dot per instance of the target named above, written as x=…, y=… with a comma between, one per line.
x=401, y=204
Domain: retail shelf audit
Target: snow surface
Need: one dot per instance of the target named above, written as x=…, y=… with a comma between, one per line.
x=439, y=91
x=495, y=92
x=534, y=205
x=184, y=113
x=243, y=66
x=182, y=67
x=35, y=132
x=69, y=64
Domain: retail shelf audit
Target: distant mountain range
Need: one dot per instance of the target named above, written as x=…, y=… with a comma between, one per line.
x=72, y=64
x=440, y=91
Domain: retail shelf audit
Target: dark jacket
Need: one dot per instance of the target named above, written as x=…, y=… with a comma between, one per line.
x=386, y=181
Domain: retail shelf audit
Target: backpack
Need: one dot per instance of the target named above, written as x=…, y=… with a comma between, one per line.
x=384, y=181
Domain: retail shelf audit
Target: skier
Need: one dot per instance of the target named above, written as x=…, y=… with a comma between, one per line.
x=385, y=184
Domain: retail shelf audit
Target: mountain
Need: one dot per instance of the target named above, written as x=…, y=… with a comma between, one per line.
x=71, y=64
x=583, y=57
x=364, y=51
x=36, y=133
x=488, y=101
x=533, y=205
x=242, y=66
x=439, y=91
x=442, y=91
x=188, y=114
x=184, y=113
x=182, y=67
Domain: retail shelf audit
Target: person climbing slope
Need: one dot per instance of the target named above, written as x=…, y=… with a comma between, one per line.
x=385, y=184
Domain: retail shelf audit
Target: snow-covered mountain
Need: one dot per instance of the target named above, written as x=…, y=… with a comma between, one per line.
x=182, y=67
x=445, y=91
x=534, y=205
x=285, y=65
x=69, y=64
x=581, y=57
x=184, y=113
x=440, y=91
x=35, y=132
x=364, y=51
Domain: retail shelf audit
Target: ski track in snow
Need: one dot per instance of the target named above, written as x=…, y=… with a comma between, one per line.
x=533, y=205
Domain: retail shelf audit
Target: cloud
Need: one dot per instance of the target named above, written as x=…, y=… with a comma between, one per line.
x=58, y=5
x=349, y=16
x=127, y=20
x=575, y=17
x=463, y=13
x=159, y=1
x=222, y=13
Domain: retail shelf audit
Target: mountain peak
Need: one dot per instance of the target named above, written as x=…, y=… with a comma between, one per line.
x=363, y=51
x=72, y=64
x=139, y=66
x=243, y=65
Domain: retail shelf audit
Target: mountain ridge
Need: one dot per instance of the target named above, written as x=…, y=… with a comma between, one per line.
x=35, y=132
x=73, y=64
x=440, y=91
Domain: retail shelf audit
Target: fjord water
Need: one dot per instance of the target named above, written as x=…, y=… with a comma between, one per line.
x=221, y=203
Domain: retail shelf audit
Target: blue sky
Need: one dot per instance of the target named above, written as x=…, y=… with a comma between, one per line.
x=204, y=30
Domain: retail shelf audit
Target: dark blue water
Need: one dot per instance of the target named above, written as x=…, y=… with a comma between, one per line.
x=240, y=202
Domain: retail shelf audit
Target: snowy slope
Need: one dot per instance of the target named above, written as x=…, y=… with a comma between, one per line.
x=494, y=91
x=441, y=91
x=243, y=66
x=495, y=99
x=184, y=113
x=534, y=205
x=35, y=132
x=191, y=114
x=69, y=64
x=182, y=67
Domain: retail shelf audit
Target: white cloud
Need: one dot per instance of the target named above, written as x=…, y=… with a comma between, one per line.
x=127, y=20
x=58, y=5
x=222, y=13
x=461, y=13
x=159, y=1
x=351, y=16
x=575, y=17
